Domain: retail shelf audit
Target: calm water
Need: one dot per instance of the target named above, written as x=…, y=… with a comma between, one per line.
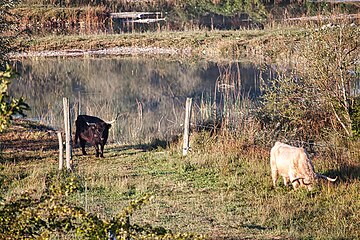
x=149, y=94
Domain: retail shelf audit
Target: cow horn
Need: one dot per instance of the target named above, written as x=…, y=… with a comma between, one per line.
x=296, y=179
x=112, y=121
x=90, y=124
x=327, y=178
x=305, y=183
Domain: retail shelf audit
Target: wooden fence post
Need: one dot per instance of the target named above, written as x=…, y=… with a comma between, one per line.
x=67, y=132
x=79, y=103
x=187, y=126
x=61, y=151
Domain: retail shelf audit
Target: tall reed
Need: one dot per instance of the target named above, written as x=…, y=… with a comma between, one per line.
x=45, y=19
x=230, y=110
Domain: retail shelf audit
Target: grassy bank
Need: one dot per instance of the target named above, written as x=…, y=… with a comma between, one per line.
x=222, y=188
x=198, y=44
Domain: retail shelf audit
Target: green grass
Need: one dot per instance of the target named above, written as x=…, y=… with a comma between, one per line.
x=221, y=190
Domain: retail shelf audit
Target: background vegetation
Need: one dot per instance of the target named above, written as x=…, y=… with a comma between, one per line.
x=318, y=92
x=9, y=106
x=94, y=16
x=8, y=29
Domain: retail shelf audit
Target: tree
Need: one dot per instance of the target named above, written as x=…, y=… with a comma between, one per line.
x=318, y=93
x=330, y=58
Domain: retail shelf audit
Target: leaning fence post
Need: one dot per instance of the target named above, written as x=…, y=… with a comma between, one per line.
x=187, y=126
x=61, y=151
x=67, y=132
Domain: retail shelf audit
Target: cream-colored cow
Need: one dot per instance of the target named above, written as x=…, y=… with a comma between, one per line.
x=293, y=165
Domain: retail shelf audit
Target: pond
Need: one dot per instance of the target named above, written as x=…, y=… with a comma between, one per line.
x=148, y=94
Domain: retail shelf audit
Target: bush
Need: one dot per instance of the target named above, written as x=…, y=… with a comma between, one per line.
x=314, y=95
x=9, y=106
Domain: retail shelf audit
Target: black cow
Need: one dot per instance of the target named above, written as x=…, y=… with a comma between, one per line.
x=92, y=130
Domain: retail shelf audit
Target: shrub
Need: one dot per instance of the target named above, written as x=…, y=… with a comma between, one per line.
x=315, y=93
x=9, y=106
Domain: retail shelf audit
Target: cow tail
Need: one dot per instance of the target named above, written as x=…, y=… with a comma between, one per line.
x=76, y=134
x=76, y=138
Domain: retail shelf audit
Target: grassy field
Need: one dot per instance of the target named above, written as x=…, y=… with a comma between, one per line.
x=221, y=189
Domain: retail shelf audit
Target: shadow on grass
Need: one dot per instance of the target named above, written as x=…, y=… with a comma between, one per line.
x=45, y=144
x=156, y=144
x=255, y=227
x=18, y=158
x=25, y=135
x=231, y=238
x=345, y=172
x=123, y=149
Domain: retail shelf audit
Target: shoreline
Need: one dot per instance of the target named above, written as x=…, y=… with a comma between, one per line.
x=133, y=51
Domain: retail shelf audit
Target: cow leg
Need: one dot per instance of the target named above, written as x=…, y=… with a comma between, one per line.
x=97, y=150
x=274, y=175
x=82, y=144
x=76, y=136
x=296, y=183
x=286, y=181
x=102, y=150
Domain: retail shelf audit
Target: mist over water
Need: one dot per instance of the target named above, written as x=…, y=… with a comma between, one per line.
x=148, y=93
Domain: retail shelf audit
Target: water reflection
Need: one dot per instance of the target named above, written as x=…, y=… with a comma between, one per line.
x=148, y=93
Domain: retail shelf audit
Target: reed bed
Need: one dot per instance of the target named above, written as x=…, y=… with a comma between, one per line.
x=47, y=19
